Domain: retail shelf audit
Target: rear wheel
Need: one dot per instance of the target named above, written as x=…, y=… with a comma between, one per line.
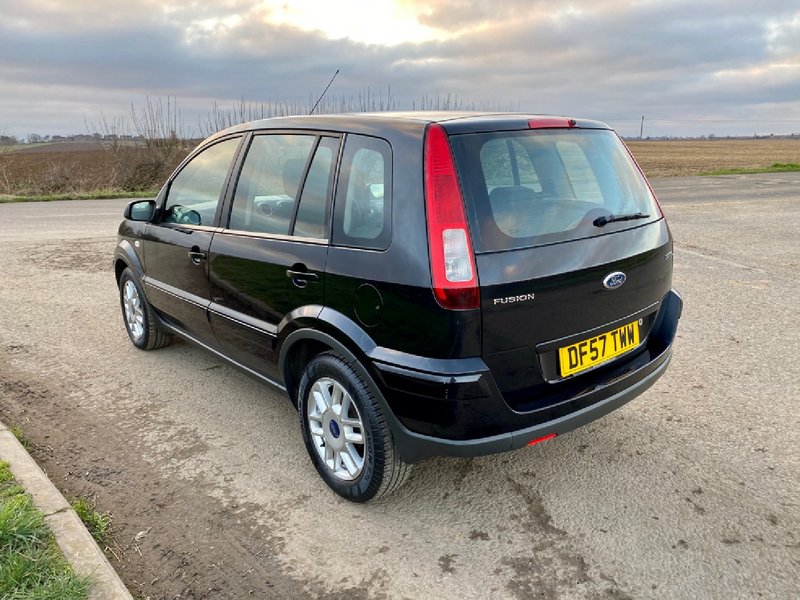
x=345, y=432
x=142, y=327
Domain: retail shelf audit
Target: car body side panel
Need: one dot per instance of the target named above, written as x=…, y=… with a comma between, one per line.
x=175, y=284
x=408, y=318
x=251, y=292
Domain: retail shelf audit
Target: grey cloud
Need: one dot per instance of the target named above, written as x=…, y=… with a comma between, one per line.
x=612, y=60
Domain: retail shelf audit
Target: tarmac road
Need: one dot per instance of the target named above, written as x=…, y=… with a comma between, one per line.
x=690, y=491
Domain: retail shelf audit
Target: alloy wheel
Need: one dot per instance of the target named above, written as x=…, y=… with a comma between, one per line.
x=336, y=428
x=134, y=313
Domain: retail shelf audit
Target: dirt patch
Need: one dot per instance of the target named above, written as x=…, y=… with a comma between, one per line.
x=170, y=538
x=92, y=256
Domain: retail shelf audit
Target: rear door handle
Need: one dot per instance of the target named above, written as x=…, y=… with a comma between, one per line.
x=301, y=278
x=197, y=256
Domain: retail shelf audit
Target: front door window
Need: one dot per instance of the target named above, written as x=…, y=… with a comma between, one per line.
x=195, y=192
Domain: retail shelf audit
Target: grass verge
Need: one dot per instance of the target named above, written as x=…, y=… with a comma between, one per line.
x=774, y=168
x=97, y=523
x=31, y=564
x=21, y=437
x=95, y=195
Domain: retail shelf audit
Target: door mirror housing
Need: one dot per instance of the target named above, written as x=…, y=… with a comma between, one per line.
x=140, y=210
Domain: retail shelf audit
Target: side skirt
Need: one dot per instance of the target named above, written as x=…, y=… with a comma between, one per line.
x=230, y=361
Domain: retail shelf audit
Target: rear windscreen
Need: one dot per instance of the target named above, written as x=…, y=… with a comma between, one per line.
x=533, y=187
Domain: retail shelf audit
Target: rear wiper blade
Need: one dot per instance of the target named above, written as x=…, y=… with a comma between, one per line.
x=604, y=220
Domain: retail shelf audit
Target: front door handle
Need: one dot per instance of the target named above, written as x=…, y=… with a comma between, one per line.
x=301, y=278
x=197, y=256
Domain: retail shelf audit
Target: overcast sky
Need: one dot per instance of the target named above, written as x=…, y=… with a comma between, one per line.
x=690, y=67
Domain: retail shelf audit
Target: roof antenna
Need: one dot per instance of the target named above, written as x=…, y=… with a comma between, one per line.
x=311, y=112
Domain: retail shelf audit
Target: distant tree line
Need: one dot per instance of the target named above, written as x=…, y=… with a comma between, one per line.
x=35, y=138
x=159, y=124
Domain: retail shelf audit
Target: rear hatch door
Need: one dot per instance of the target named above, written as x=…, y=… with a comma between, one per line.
x=572, y=252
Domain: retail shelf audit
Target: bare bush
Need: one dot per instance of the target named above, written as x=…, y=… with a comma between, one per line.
x=144, y=148
x=58, y=178
x=5, y=178
x=113, y=139
x=160, y=126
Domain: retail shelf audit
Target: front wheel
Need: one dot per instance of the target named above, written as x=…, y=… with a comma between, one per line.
x=345, y=433
x=142, y=327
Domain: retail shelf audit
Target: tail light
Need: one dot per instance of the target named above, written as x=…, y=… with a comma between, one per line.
x=453, y=273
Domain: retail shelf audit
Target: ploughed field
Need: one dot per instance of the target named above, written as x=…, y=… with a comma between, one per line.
x=84, y=167
x=676, y=158
x=81, y=167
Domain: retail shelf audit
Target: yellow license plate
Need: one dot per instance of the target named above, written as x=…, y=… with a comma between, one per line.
x=589, y=353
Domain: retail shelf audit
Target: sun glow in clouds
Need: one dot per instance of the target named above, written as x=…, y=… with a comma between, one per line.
x=381, y=22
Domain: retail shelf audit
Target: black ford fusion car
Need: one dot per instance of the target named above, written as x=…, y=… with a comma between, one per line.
x=419, y=284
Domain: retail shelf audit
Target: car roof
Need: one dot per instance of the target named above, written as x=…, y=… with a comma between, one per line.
x=378, y=123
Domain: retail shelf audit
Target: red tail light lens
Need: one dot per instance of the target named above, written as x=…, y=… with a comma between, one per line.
x=453, y=273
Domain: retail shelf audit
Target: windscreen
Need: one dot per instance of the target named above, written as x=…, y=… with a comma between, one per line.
x=533, y=187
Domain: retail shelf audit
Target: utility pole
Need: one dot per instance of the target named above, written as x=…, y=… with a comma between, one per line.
x=641, y=128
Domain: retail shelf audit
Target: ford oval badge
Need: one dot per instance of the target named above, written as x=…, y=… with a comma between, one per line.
x=614, y=280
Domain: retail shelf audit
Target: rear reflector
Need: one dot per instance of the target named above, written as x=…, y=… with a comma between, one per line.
x=544, y=438
x=551, y=123
x=453, y=274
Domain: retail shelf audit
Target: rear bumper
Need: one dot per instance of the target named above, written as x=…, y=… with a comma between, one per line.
x=457, y=410
x=415, y=447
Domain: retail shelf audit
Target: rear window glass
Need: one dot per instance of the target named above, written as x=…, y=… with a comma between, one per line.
x=539, y=187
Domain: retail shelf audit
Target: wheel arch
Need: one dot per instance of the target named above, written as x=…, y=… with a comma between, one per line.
x=125, y=256
x=329, y=330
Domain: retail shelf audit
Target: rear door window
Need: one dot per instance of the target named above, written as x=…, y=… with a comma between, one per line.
x=526, y=188
x=285, y=185
x=269, y=183
x=312, y=213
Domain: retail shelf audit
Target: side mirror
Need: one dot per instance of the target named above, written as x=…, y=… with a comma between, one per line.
x=140, y=210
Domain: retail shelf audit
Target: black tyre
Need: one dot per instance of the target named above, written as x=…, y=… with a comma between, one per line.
x=143, y=329
x=345, y=432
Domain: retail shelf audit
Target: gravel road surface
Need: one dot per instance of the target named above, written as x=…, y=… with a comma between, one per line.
x=690, y=491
